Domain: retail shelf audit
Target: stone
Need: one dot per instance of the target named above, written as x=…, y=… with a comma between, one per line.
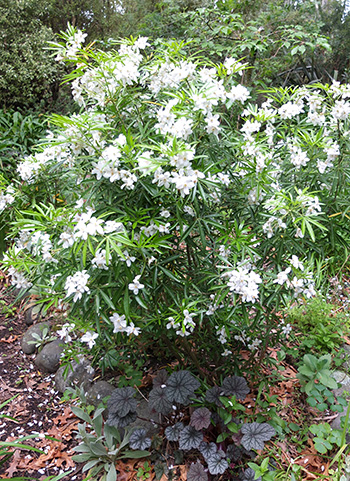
x=344, y=380
x=336, y=423
x=28, y=336
x=79, y=374
x=346, y=357
x=28, y=316
x=48, y=359
x=98, y=392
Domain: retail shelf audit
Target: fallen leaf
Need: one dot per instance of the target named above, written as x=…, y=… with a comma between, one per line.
x=10, y=339
x=14, y=463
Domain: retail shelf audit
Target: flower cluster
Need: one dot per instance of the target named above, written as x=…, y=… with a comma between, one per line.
x=244, y=282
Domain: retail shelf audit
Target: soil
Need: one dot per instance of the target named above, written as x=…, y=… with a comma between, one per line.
x=35, y=407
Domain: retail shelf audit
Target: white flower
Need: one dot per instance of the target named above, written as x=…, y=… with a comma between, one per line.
x=64, y=332
x=171, y=323
x=296, y=263
x=127, y=258
x=245, y=283
x=286, y=329
x=76, y=284
x=189, y=210
x=282, y=277
x=119, y=322
x=290, y=110
x=165, y=213
x=89, y=337
x=99, y=261
x=112, y=226
x=238, y=92
x=131, y=329
x=135, y=285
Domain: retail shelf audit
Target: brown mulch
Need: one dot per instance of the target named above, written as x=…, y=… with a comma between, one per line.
x=36, y=407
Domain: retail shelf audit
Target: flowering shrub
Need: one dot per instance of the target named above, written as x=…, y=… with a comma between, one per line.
x=171, y=209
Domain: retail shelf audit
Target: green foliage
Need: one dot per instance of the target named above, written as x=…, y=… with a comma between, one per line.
x=325, y=438
x=278, y=44
x=101, y=447
x=30, y=76
x=321, y=323
x=40, y=340
x=316, y=381
x=263, y=471
x=143, y=472
x=6, y=310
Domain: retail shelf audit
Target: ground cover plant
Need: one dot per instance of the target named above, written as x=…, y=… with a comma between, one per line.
x=172, y=217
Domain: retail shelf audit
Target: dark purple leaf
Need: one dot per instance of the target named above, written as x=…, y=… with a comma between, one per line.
x=172, y=433
x=196, y=472
x=213, y=395
x=122, y=401
x=233, y=453
x=249, y=475
x=158, y=401
x=190, y=438
x=121, y=421
x=161, y=378
x=207, y=449
x=235, y=386
x=200, y=418
x=181, y=386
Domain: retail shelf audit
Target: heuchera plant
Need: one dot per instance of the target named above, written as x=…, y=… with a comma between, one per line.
x=221, y=440
x=169, y=209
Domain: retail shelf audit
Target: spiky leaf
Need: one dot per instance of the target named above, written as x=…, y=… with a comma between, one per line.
x=161, y=378
x=158, y=400
x=207, y=449
x=121, y=421
x=181, y=386
x=254, y=435
x=217, y=464
x=122, y=401
x=235, y=386
x=196, y=472
x=200, y=418
x=190, y=438
x=213, y=395
x=249, y=475
x=172, y=433
x=139, y=439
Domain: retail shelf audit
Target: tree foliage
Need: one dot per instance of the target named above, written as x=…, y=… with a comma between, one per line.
x=29, y=76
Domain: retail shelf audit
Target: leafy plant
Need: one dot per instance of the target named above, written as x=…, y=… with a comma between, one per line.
x=41, y=339
x=168, y=399
x=102, y=444
x=143, y=472
x=316, y=380
x=6, y=310
x=321, y=324
x=325, y=438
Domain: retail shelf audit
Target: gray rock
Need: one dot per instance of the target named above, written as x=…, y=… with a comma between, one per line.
x=346, y=356
x=344, y=380
x=48, y=359
x=28, y=336
x=77, y=374
x=98, y=392
x=28, y=316
x=336, y=423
